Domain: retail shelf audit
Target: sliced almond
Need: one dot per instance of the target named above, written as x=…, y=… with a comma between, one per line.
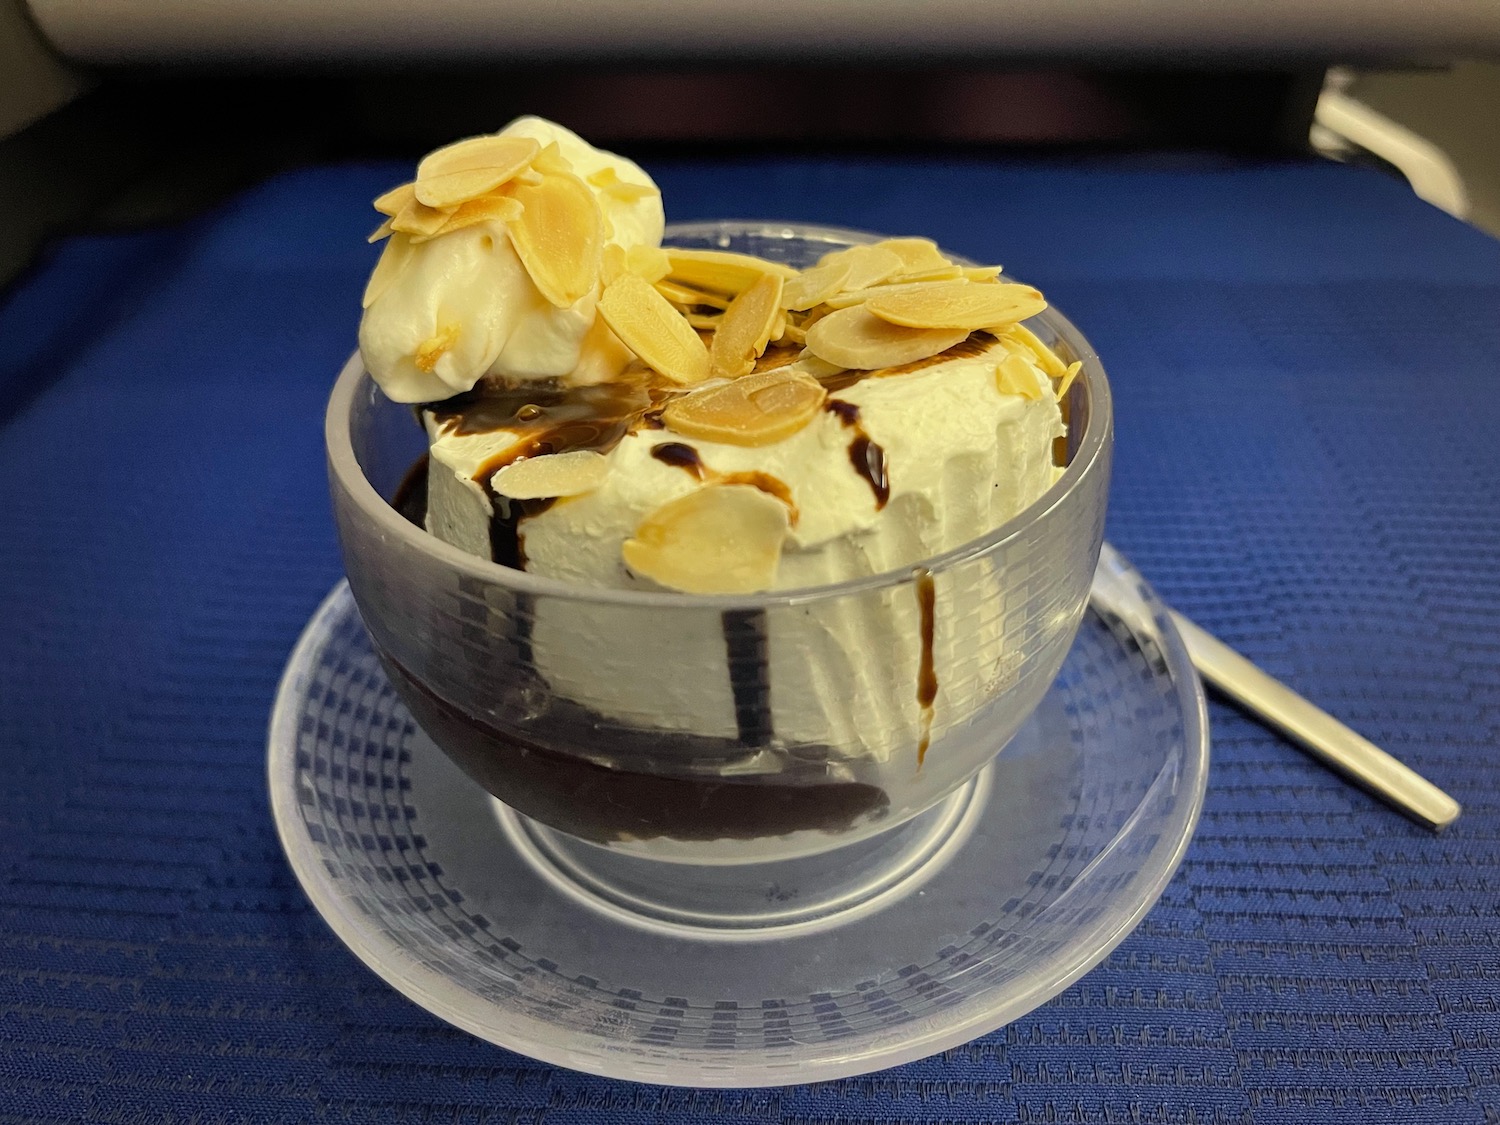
x=557, y=474
x=814, y=286
x=394, y=258
x=981, y=273
x=612, y=264
x=486, y=209
x=382, y=231
x=704, y=320
x=687, y=298
x=720, y=271
x=391, y=203
x=938, y=273
x=559, y=237
x=793, y=334
x=550, y=161
x=957, y=304
x=1015, y=376
x=649, y=326
x=467, y=169
x=649, y=262
x=608, y=181
x=1068, y=376
x=418, y=219
x=754, y=410
x=856, y=339
x=810, y=364
x=1045, y=356
x=746, y=327
x=718, y=539
x=860, y=296
x=432, y=349
x=916, y=253
x=868, y=265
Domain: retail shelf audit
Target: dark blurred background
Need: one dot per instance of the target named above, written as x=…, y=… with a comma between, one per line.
x=114, y=116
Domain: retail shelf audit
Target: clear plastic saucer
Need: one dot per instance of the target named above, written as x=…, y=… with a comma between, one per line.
x=879, y=953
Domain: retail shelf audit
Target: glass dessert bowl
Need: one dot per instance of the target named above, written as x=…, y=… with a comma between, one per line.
x=719, y=728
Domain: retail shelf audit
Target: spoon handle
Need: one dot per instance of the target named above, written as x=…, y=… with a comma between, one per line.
x=1317, y=732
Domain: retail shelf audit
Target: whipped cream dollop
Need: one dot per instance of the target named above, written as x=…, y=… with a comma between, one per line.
x=455, y=308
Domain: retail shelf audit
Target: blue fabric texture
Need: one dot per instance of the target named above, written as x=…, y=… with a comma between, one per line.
x=1305, y=361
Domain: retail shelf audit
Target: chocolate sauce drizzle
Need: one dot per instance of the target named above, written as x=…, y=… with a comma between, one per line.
x=927, y=684
x=546, y=418
x=867, y=457
x=685, y=457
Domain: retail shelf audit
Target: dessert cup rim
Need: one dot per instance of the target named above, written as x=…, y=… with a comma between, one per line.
x=1091, y=457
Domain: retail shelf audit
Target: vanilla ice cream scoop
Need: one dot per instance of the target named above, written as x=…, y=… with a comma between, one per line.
x=452, y=300
x=612, y=414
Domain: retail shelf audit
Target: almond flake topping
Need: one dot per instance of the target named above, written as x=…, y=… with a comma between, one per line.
x=747, y=327
x=1015, y=376
x=753, y=410
x=957, y=304
x=868, y=265
x=556, y=474
x=858, y=340
x=468, y=169
x=720, y=271
x=649, y=326
x=814, y=286
x=718, y=539
x=559, y=237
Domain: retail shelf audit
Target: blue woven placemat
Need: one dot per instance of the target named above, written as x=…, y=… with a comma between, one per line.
x=1306, y=361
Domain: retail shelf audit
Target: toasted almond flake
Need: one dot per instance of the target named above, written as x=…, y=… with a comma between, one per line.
x=856, y=339
x=550, y=161
x=746, y=327
x=1067, y=380
x=939, y=273
x=559, y=237
x=530, y=176
x=1045, y=356
x=718, y=539
x=704, y=320
x=775, y=357
x=382, y=231
x=810, y=364
x=916, y=253
x=793, y=334
x=418, y=219
x=486, y=209
x=1015, y=376
x=608, y=181
x=868, y=265
x=394, y=258
x=470, y=168
x=814, y=286
x=981, y=273
x=720, y=271
x=688, y=298
x=391, y=203
x=649, y=262
x=612, y=263
x=860, y=296
x=649, y=326
x=753, y=410
x=557, y=474
x=435, y=347
x=957, y=304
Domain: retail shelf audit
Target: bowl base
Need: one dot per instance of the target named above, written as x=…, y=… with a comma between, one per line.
x=750, y=901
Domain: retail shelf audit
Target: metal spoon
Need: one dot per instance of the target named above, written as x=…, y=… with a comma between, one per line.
x=1314, y=730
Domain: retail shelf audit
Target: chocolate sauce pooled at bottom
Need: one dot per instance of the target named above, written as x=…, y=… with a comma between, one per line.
x=601, y=803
